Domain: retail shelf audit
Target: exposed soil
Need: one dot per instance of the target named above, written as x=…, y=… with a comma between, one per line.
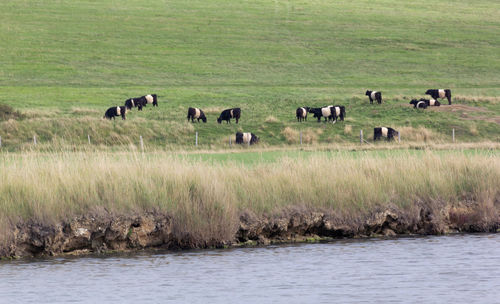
x=154, y=230
x=465, y=112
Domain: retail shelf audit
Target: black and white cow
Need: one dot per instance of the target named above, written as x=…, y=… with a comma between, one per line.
x=134, y=102
x=115, y=111
x=431, y=102
x=195, y=113
x=301, y=113
x=374, y=95
x=246, y=138
x=440, y=93
x=228, y=114
x=388, y=133
x=142, y=101
x=328, y=112
x=420, y=104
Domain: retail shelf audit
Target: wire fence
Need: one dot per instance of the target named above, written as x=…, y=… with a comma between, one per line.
x=196, y=141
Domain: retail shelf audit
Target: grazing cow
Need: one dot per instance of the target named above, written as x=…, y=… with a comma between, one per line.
x=246, y=138
x=430, y=102
x=134, y=102
x=195, y=113
x=141, y=101
x=418, y=104
x=302, y=113
x=440, y=94
x=388, y=133
x=115, y=111
x=327, y=112
x=374, y=95
x=228, y=114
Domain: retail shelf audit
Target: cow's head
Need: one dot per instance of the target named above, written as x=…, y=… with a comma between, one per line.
x=413, y=102
x=428, y=92
x=368, y=93
x=219, y=120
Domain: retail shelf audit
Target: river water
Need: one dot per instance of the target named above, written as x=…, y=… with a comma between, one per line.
x=443, y=269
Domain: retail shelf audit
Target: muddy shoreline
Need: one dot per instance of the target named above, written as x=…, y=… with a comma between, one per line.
x=120, y=233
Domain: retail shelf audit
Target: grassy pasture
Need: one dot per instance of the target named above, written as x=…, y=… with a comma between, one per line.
x=64, y=63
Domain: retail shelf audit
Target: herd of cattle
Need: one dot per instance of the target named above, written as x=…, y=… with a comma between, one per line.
x=329, y=113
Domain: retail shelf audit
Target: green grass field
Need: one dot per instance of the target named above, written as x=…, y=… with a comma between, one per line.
x=63, y=63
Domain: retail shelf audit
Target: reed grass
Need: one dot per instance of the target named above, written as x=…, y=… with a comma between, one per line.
x=205, y=199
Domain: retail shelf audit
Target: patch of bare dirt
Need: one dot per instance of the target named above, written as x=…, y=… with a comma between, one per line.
x=465, y=112
x=458, y=108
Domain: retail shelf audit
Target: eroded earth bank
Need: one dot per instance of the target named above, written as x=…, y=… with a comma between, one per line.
x=111, y=233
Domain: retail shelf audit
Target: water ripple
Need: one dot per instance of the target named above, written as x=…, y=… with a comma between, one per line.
x=459, y=269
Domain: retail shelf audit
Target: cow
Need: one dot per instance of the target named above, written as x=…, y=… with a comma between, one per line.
x=115, y=111
x=228, y=114
x=327, y=112
x=246, y=138
x=134, y=102
x=195, y=113
x=418, y=104
x=388, y=133
x=301, y=113
x=142, y=101
x=374, y=95
x=339, y=112
x=435, y=93
x=430, y=102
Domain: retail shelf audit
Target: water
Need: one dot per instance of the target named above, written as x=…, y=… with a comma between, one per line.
x=458, y=269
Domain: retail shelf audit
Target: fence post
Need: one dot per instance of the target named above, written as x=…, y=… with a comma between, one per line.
x=34, y=139
x=399, y=137
x=453, y=134
x=0, y=141
x=249, y=142
x=142, y=143
x=301, y=138
x=88, y=136
x=196, y=142
x=361, y=136
x=230, y=140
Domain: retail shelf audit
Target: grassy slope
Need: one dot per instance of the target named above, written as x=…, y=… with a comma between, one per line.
x=65, y=62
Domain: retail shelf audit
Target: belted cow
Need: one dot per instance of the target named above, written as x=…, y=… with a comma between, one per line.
x=142, y=101
x=388, y=133
x=195, y=113
x=302, y=113
x=246, y=138
x=430, y=102
x=327, y=112
x=228, y=114
x=134, y=102
x=440, y=93
x=374, y=95
x=420, y=104
x=115, y=111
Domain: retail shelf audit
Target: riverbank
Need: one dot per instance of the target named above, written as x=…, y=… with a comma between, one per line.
x=52, y=204
x=105, y=234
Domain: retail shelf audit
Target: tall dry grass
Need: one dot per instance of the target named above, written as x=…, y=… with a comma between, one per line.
x=205, y=199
